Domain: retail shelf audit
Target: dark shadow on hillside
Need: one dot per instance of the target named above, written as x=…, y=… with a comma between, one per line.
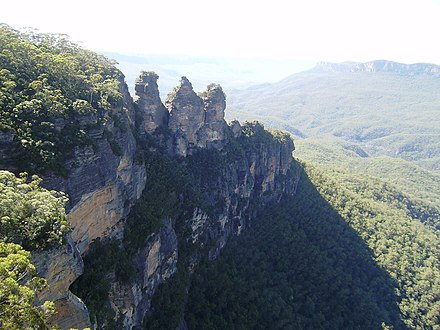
x=301, y=266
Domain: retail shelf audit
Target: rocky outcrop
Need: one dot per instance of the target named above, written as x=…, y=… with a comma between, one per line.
x=151, y=111
x=155, y=263
x=106, y=177
x=61, y=266
x=261, y=175
x=104, y=180
x=213, y=131
x=196, y=121
x=247, y=174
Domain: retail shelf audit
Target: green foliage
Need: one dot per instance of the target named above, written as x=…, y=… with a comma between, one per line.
x=299, y=267
x=409, y=178
x=106, y=261
x=18, y=287
x=281, y=136
x=48, y=85
x=253, y=135
x=31, y=215
x=403, y=246
x=35, y=218
x=385, y=114
x=168, y=187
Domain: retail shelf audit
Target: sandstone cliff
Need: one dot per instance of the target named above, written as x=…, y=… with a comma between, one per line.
x=103, y=181
x=151, y=111
x=235, y=171
x=196, y=121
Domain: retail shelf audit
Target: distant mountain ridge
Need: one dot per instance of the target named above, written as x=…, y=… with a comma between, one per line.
x=380, y=66
x=384, y=107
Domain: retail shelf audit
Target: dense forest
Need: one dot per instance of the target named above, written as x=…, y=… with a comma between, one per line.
x=332, y=257
x=51, y=91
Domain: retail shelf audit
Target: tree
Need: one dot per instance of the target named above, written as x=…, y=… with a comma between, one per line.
x=18, y=287
x=30, y=215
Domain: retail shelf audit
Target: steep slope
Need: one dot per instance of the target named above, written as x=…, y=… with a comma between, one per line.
x=66, y=115
x=385, y=108
x=189, y=209
x=152, y=188
x=335, y=256
x=300, y=267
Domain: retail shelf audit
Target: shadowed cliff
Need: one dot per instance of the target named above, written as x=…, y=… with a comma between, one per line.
x=301, y=266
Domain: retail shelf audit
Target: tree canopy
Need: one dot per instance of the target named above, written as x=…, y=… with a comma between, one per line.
x=31, y=218
x=50, y=90
x=30, y=215
x=18, y=286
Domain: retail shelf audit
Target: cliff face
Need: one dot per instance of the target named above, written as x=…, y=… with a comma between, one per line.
x=256, y=173
x=237, y=169
x=103, y=182
x=235, y=184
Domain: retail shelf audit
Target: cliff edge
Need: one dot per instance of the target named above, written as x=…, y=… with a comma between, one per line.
x=156, y=188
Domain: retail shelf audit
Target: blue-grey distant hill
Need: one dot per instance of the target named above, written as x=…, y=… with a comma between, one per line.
x=382, y=107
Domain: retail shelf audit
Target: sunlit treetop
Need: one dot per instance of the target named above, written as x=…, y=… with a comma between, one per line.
x=47, y=84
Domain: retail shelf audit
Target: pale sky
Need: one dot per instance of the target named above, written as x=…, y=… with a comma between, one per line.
x=333, y=30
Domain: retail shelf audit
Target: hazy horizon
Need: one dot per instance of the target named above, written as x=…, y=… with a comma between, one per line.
x=316, y=30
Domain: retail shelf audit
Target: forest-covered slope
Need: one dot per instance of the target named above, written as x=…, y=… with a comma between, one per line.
x=388, y=109
x=337, y=256
x=405, y=185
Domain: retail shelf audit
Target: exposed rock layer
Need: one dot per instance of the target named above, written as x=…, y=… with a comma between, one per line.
x=151, y=110
x=103, y=185
x=196, y=121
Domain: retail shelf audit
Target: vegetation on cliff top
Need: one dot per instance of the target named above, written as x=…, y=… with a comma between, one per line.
x=48, y=86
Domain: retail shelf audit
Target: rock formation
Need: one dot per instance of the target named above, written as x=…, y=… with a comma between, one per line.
x=151, y=110
x=105, y=180
x=101, y=185
x=213, y=132
x=196, y=121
